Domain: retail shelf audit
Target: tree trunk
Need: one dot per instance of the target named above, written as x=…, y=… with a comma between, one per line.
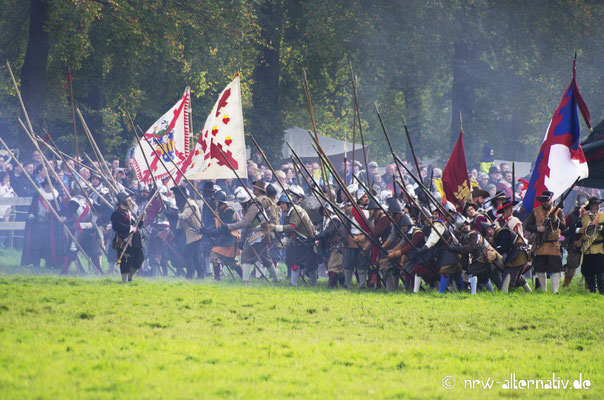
x=33, y=73
x=266, y=122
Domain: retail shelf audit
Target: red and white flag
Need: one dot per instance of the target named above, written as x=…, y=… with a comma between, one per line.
x=169, y=137
x=223, y=130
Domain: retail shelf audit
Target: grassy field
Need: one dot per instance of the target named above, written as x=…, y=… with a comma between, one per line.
x=95, y=338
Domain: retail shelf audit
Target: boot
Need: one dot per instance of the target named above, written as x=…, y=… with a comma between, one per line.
x=348, y=278
x=363, y=278
x=216, y=268
x=124, y=278
x=600, y=282
x=273, y=272
x=506, y=283
x=341, y=280
x=331, y=280
x=238, y=269
x=568, y=276
x=444, y=282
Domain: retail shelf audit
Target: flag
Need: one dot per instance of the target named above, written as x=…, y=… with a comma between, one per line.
x=593, y=148
x=68, y=80
x=223, y=130
x=455, y=181
x=169, y=137
x=560, y=160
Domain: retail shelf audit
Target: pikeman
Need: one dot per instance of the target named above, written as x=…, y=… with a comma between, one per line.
x=254, y=224
x=225, y=242
x=353, y=256
x=299, y=253
x=330, y=241
x=516, y=256
x=573, y=241
x=207, y=242
x=124, y=224
x=382, y=231
x=479, y=256
x=43, y=236
x=390, y=265
x=82, y=221
x=189, y=219
x=592, y=228
x=548, y=254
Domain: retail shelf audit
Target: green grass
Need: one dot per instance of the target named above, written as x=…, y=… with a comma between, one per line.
x=95, y=338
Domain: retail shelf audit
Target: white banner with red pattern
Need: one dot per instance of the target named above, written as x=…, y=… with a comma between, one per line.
x=169, y=137
x=222, y=137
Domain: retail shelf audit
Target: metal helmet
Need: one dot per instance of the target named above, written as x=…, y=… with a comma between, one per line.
x=241, y=195
x=297, y=190
x=220, y=196
x=373, y=205
x=122, y=198
x=360, y=193
x=283, y=199
x=271, y=190
x=394, y=206
x=450, y=207
x=460, y=221
x=313, y=207
x=405, y=220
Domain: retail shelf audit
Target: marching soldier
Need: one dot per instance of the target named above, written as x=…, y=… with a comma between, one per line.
x=330, y=239
x=572, y=243
x=299, y=253
x=189, y=219
x=592, y=228
x=255, y=232
x=226, y=242
x=546, y=229
x=382, y=231
x=123, y=223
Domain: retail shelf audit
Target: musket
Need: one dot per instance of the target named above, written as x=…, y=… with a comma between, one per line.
x=539, y=237
x=513, y=182
x=50, y=207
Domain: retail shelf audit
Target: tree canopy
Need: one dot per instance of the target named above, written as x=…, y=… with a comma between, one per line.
x=502, y=65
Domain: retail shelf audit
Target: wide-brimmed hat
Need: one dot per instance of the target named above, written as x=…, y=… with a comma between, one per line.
x=498, y=196
x=546, y=195
x=506, y=204
x=260, y=185
x=594, y=200
x=480, y=193
x=208, y=187
x=469, y=204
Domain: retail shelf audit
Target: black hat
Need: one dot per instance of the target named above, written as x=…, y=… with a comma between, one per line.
x=372, y=205
x=546, y=195
x=394, y=206
x=208, y=186
x=498, y=196
x=181, y=191
x=594, y=200
x=479, y=193
x=506, y=204
x=468, y=204
x=271, y=190
x=486, y=225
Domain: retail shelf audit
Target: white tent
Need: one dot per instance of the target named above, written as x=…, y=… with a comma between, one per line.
x=302, y=143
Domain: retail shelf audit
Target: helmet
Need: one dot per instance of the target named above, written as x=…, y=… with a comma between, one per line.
x=352, y=189
x=271, y=190
x=360, y=193
x=122, y=198
x=460, y=221
x=283, y=199
x=450, y=207
x=394, y=206
x=241, y=195
x=220, y=196
x=405, y=220
x=373, y=205
x=297, y=190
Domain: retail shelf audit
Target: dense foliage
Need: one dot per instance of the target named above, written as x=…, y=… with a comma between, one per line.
x=504, y=65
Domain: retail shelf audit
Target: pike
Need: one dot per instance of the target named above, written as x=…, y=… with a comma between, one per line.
x=411, y=146
x=31, y=129
x=73, y=117
x=358, y=113
x=109, y=183
x=314, y=124
x=379, y=115
x=50, y=207
x=513, y=182
x=96, y=150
